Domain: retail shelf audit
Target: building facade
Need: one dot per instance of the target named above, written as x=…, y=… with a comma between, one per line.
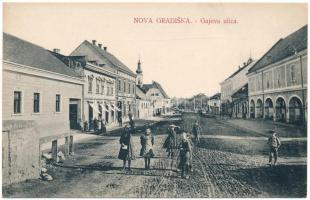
x=38, y=89
x=125, y=80
x=240, y=102
x=232, y=84
x=214, y=104
x=278, y=81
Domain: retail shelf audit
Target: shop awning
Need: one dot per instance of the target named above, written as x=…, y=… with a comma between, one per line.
x=94, y=108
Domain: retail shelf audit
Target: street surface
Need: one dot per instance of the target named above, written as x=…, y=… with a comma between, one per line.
x=231, y=161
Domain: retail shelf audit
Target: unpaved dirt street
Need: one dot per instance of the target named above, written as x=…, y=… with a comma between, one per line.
x=230, y=166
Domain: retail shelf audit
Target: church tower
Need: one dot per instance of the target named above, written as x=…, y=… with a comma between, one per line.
x=139, y=79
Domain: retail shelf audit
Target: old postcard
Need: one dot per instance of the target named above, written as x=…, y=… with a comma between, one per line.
x=154, y=100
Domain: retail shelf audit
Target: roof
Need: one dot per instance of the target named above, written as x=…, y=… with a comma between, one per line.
x=241, y=92
x=155, y=84
x=216, y=96
x=295, y=42
x=249, y=64
x=140, y=93
x=25, y=53
x=113, y=61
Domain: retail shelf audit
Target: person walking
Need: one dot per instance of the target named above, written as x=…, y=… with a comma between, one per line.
x=126, y=152
x=196, y=131
x=147, y=142
x=185, y=153
x=171, y=141
x=274, y=144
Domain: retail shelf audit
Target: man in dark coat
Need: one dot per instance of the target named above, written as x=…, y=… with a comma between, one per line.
x=274, y=144
x=196, y=131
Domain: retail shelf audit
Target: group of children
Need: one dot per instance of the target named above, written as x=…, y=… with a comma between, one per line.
x=179, y=144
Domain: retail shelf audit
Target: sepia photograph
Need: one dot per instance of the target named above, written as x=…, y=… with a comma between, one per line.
x=154, y=100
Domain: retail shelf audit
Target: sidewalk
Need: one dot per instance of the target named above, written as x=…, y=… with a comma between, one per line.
x=262, y=127
x=79, y=135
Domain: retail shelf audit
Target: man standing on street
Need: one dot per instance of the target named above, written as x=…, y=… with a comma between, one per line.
x=274, y=144
x=197, y=132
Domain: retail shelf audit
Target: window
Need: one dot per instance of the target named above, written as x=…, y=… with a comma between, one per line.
x=133, y=88
x=97, y=86
x=90, y=84
x=129, y=88
x=17, y=102
x=36, y=102
x=57, y=102
x=102, y=87
x=124, y=87
x=293, y=76
x=112, y=88
x=108, y=90
x=119, y=85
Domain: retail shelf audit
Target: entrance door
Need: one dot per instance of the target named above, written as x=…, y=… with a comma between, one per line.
x=73, y=116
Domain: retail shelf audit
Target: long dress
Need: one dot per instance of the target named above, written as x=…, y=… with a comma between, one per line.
x=171, y=141
x=126, y=152
x=185, y=154
x=147, y=142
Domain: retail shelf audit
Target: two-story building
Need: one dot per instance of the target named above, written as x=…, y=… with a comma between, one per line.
x=231, y=85
x=278, y=81
x=99, y=96
x=40, y=90
x=214, y=104
x=124, y=84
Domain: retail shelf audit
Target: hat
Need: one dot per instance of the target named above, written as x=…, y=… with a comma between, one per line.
x=271, y=131
x=172, y=125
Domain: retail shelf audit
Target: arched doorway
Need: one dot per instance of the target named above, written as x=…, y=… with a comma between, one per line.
x=252, y=109
x=268, y=109
x=295, y=111
x=280, y=110
x=259, y=109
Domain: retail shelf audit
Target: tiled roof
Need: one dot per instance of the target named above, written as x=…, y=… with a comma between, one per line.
x=248, y=64
x=284, y=48
x=25, y=53
x=146, y=88
x=216, y=96
x=115, y=62
x=241, y=92
x=140, y=93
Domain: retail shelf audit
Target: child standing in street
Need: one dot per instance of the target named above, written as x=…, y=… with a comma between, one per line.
x=185, y=154
x=274, y=144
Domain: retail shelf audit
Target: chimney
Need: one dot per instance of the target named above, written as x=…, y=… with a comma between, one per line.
x=105, y=48
x=56, y=50
x=100, y=45
x=244, y=64
x=94, y=42
x=239, y=67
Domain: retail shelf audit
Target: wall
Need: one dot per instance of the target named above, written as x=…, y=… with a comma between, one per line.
x=28, y=81
x=20, y=151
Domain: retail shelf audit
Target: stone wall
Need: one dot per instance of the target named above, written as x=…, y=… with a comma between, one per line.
x=20, y=151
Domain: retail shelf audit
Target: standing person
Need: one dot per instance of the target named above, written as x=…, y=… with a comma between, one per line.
x=126, y=150
x=120, y=120
x=95, y=125
x=171, y=142
x=274, y=144
x=196, y=131
x=185, y=153
x=103, y=127
x=132, y=125
x=147, y=142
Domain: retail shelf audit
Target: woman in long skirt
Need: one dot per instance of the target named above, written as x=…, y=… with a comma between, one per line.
x=126, y=150
x=147, y=142
x=185, y=156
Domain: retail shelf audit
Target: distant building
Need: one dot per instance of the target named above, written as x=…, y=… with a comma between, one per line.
x=155, y=94
x=278, y=81
x=41, y=96
x=232, y=84
x=99, y=89
x=240, y=102
x=144, y=109
x=125, y=89
x=214, y=104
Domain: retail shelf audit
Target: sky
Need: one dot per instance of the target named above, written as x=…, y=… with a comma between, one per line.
x=186, y=59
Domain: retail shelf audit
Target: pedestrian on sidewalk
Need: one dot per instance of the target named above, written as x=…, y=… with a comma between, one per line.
x=170, y=143
x=196, y=131
x=126, y=152
x=120, y=120
x=147, y=142
x=274, y=144
x=95, y=125
x=185, y=153
x=103, y=127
